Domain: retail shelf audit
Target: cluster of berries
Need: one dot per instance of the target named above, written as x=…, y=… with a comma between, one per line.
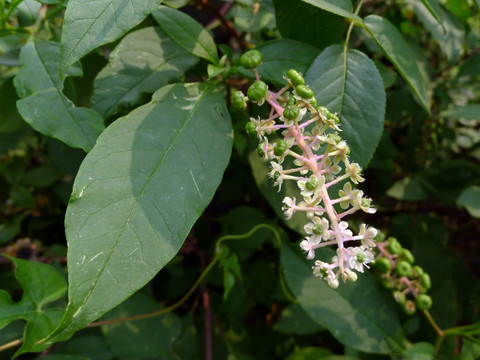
x=297, y=127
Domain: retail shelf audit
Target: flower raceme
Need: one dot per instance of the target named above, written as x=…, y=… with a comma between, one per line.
x=309, y=135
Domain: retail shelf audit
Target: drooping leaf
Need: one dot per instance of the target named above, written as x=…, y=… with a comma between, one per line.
x=138, y=193
x=187, y=33
x=41, y=284
x=359, y=314
x=407, y=189
x=279, y=56
x=434, y=7
x=292, y=15
x=338, y=7
x=43, y=104
x=470, y=199
x=450, y=35
x=397, y=51
x=348, y=83
x=144, y=61
x=89, y=24
x=467, y=112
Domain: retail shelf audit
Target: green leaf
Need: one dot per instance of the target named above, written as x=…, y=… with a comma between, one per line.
x=311, y=353
x=92, y=347
x=10, y=119
x=279, y=56
x=44, y=106
x=138, y=193
x=348, y=83
x=148, y=338
x=295, y=320
x=359, y=314
x=41, y=284
x=450, y=35
x=87, y=25
x=291, y=17
x=338, y=7
x=187, y=33
x=470, y=199
x=467, y=112
x=435, y=10
x=420, y=351
x=30, y=9
x=397, y=51
x=407, y=189
x=144, y=61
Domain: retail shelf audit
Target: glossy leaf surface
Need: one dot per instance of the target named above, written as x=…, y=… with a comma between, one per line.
x=372, y=328
x=337, y=7
x=89, y=24
x=397, y=51
x=348, y=83
x=143, y=62
x=187, y=33
x=137, y=195
x=44, y=106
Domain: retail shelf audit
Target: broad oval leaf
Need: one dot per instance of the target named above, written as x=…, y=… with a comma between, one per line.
x=144, y=61
x=43, y=104
x=137, y=195
x=187, y=33
x=359, y=314
x=279, y=56
x=89, y=24
x=348, y=83
x=337, y=7
x=467, y=112
x=470, y=199
x=397, y=51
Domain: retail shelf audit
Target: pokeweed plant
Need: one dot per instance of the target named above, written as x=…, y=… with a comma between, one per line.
x=131, y=119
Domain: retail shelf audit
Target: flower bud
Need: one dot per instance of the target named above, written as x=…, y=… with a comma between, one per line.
x=251, y=59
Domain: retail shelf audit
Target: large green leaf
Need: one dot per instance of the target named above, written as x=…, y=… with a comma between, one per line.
x=348, y=83
x=41, y=284
x=144, y=61
x=292, y=15
x=89, y=24
x=278, y=56
x=137, y=195
x=338, y=7
x=470, y=199
x=187, y=33
x=467, y=112
x=434, y=7
x=43, y=104
x=359, y=314
x=397, y=51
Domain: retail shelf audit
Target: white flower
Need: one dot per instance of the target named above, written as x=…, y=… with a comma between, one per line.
x=354, y=171
x=365, y=203
x=289, y=208
x=368, y=234
x=318, y=229
x=359, y=257
x=276, y=169
x=307, y=246
x=343, y=225
x=323, y=270
x=311, y=186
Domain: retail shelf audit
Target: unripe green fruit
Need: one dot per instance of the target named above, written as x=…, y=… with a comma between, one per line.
x=425, y=280
x=394, y=246
x=313, y=102
x=291, y=112
x=409, y=307
x=403, y=268
x=383, y=265
x=311, y=184
x=276, y=175
x=408, y=256
x=418, y=271
x=387, y=283
x=291, y=100
x=295, y=77
x=238, y=100
x=399, y=297
x=251, y=59
x=334, y=137
x=304, y=91
x=380, y=236
x=256, y=91
x=251, y=128
x=423, y=301
x=260, y=150
x=280, y=148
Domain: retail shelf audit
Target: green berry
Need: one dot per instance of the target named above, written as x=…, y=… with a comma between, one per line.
x=311, y=184
x=251, y=59
x=335, y=137
x=380, y=236
x=313, y=102
x=409, y=307
x=280, y=148
x=403, y=268
x=257, y=91
x=418, y=271
x=260, y=150
x=387, y=283
x=295, y=77
x=425, y=280
x=291, y=100
x=291, y=112
x=251, y=128
x=407, y=255
x=304, y=91
x=423, y=301
x=238, y=100
x=394, y=246
x=317, y=229
x=383, y=265
x=276, y=176
x=399, y=297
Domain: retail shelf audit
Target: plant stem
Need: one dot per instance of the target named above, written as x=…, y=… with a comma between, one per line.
x=352, y=22
x=11, y=344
